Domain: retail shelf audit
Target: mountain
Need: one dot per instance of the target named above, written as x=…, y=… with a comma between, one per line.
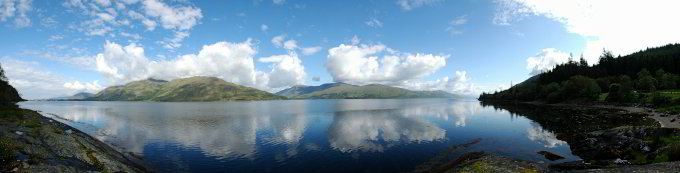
x=348, y=91
x=186, y=89
x=75, y=97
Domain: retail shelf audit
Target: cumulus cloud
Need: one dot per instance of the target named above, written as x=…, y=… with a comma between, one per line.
x=374, y=22
x=233, y=62
x=287, y=70
x=411, y=4
x=311, y=50
x=33, y=82
x=17, y=9
x=457, y=84
x=546, y=60
x=608, y=24
x=89, y=87
x=362, y=64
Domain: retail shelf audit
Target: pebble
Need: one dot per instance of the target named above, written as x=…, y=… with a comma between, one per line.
x=19, y=133
x=69, y=131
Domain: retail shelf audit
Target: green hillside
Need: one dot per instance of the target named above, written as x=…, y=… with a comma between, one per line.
x=186, y=89
x=348, y=91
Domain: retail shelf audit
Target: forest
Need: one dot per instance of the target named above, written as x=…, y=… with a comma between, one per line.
x=649, y=76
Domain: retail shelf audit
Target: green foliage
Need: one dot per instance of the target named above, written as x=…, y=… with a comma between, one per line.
x=646, y=81
x=582, y=87
x=7, y=92
x=2, y=74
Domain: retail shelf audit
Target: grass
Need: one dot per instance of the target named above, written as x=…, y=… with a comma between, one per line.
x=7, y=150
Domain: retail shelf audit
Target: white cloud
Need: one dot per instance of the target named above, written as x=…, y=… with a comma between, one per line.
x=454, y=25
x=546, y=60
x=75, y=57
x=104, y=3
x=17, y=9
x=620, y=26
x=279, y=2
x=104, y=19
x=174, y=42
x=361, y=64
x=149, y=24
x=264, y=27
x=411, y=4
x=290, y=44
x=311, y=50
x=33, y=82
x=180, y=18
x=458, y=84
x=56, y=37
x=287, y=70
x=86, y=86
x=374, y=22
x=233, y=62
x=355, y=40
x=278, y=40
x=133, y=37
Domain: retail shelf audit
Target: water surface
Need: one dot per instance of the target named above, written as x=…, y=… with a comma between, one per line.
x=354, y=135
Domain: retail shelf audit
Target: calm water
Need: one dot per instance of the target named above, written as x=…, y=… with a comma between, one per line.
x=303, y=135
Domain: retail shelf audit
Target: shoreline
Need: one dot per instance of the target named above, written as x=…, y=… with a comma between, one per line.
x=47, y=145
x=665, y=120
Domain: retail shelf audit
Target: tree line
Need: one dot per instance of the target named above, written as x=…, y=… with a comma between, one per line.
x=632, y=78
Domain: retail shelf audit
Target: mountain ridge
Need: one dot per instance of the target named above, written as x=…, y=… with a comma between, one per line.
x=198, y=88
x=339, y=90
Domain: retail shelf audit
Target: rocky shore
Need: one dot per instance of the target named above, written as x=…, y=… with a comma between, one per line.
x=30, y=142
x=608, y=138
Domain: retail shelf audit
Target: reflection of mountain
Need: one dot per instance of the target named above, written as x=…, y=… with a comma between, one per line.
x=364, y=130
x=234, y=129
x=227, y=131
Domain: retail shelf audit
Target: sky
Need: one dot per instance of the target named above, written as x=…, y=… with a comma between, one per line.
x=59, y=48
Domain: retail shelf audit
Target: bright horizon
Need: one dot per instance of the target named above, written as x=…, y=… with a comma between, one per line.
x=52, y=48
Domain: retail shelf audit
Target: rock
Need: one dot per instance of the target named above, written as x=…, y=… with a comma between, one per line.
x=69, y=131
x=621, y=162
x=550, y=156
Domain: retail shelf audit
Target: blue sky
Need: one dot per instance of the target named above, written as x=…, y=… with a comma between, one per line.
x=55, y=48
